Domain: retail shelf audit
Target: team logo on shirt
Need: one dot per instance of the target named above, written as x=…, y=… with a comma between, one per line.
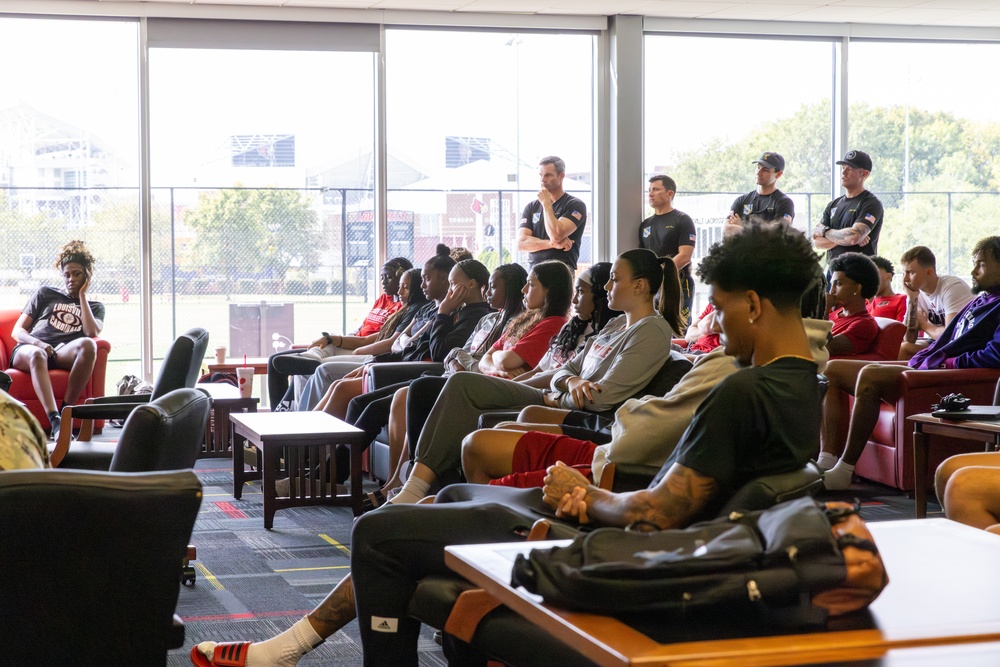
x=535, y=217
x=66, y=317
x=576, y=214
x=646, y=232
x=747, y=209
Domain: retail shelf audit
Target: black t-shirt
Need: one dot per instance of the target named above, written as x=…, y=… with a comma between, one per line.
x=664, y=234
x=567, y=206
x=775, y=206
x=843, y=212
x=758, y=421
x=56, y=318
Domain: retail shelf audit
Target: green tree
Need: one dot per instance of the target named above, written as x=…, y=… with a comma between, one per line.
x=255, y=232
x=39, y=234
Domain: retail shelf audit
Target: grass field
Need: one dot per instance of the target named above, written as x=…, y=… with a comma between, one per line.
x=312, y=315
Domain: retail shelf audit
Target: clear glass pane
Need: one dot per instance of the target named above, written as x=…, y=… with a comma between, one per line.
x=469, y=115
x=68, y=165
x=932, y=127
x=713, y=105
x=256, y=157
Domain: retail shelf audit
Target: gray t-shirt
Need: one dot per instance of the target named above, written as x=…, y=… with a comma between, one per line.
x=621, y=359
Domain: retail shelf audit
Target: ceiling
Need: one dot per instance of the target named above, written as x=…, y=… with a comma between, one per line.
x=970, y=13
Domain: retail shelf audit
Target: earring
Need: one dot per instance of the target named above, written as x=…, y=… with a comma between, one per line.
x=750, y=320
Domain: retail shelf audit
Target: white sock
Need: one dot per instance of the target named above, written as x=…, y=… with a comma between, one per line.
x=838, y=477
x=826, y=460
x=413, y=490
x=284, y=650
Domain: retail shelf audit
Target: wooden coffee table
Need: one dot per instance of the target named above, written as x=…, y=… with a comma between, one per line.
x=226, y=399
x=925, y=426
x=944, y=585
x=302, y=447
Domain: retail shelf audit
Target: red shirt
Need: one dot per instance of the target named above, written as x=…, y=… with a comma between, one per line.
x=383, y=307
x=893, y=307
x=533, y=345
x=861, y=329
x=709, y=341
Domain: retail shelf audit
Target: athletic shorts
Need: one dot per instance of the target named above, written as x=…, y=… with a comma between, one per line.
x=535, y=451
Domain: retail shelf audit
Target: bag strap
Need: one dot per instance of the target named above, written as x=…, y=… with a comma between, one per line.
x=852, y=540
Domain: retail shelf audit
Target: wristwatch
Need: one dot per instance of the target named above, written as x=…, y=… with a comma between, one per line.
x=329, y=339
x=825, y=230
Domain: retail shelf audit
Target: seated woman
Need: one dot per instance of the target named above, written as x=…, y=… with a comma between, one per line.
x=612, y=367
x=281, y=365
x=523, y=341
x=400, y=326
x=644, y=430
x=411, y=406
x=457, y=293
x=56, y=330
x=371, y=411
x=853, y=280
x=968, y=488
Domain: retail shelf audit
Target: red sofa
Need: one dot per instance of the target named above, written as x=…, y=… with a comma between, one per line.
x=888, y=457
x=21, y=388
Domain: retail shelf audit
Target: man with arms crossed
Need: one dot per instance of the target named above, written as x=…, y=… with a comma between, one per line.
x=933, y=300
x=764, y=419
x=767, y=203
x=972, y=340
x=851, y=222
x=552, y=225
x=670, y=233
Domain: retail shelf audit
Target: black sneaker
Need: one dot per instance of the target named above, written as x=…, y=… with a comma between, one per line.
x=55, y=421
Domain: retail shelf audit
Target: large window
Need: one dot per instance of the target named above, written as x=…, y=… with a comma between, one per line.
x=68, y=163
x=261, y=166
x=922, y=112
x=469, y=115
x=714, y=104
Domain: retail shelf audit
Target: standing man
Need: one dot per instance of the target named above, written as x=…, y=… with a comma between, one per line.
x=933, y=300
x=767, y=203
x=851, y=222
x=670, y=233
x=552, y=225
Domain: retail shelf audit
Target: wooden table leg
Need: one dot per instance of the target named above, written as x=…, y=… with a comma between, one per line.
x=238, y=464
x=268, y=468
x=920, y=471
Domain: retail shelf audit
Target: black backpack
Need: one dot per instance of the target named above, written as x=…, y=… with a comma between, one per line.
x=795, y=563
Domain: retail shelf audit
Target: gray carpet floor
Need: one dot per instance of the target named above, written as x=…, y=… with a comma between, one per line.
x=253, y=583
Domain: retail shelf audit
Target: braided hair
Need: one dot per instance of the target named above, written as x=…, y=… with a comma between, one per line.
x=416, y=299
x=514, y=277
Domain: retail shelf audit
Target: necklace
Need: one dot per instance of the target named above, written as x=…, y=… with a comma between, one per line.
x=791, y=356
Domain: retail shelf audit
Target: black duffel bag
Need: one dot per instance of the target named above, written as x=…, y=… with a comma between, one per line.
x=800, y=561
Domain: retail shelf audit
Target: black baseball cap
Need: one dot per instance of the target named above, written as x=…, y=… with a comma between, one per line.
x=771, y=161
x=858, y=160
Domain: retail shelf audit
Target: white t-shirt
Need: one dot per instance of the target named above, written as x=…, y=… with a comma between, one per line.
x=950, y=296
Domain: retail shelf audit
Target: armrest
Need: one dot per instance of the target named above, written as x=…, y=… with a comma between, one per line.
x=136, y=399
x=385, y=374
x=952, y=379
x=619, y=477
x=102, y=409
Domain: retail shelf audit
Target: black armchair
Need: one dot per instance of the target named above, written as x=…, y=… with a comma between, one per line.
x=180, y=368
x=69, y=538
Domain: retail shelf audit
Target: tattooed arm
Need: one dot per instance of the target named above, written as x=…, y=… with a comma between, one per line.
x=680, y=496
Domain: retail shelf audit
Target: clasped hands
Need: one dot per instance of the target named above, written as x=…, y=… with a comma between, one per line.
x=565, y=491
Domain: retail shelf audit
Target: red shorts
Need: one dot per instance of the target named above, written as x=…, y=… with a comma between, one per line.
x=535, y=451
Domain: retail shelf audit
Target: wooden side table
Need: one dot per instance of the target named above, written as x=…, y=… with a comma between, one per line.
x=924, y=426
x=226, y=399
x=307, y=443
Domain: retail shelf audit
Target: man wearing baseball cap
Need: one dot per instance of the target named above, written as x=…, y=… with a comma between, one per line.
x=767, y=202
x=851, y=222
